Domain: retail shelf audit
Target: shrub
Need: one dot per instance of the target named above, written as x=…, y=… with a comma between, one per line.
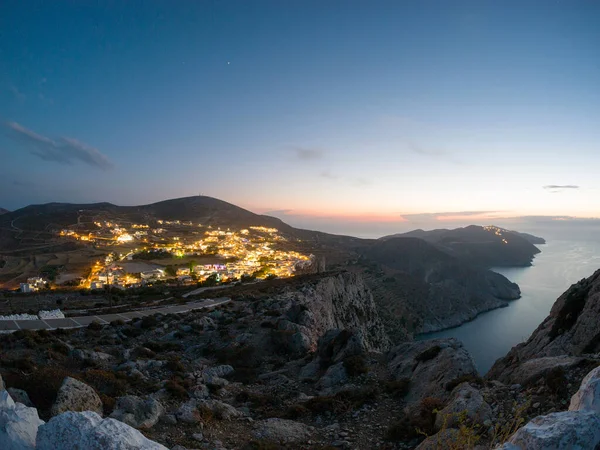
x=175, y=365
x=105, y=382
x=398, y=388
x=149, y=322
x=355, y=365
x=95, y=326
x=176, y=390
x=556, y=381
x=61, y=347
x=42, y=385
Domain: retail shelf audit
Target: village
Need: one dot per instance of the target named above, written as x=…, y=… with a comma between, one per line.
x=179, y=252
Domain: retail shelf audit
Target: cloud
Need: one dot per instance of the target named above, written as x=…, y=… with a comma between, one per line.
x=18, y=94
x=432, y=152
x=560, y=187
x=359, y=182
x=446, y=215
x=327, y=174
x=63, y=150
x=308, y=154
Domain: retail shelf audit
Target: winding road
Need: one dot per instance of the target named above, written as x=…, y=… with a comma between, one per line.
x=84, y=321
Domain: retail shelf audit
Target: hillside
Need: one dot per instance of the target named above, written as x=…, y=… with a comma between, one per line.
x=484, y=246
x=431, y=288
x=34, y=227
x=3, y=211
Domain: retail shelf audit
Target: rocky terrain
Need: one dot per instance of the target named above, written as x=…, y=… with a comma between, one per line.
x=427, y=290
x=300, y=364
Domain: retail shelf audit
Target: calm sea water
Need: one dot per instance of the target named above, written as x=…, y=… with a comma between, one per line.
x=491, y=335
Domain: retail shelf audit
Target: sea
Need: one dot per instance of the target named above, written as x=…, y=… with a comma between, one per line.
x=560, y=264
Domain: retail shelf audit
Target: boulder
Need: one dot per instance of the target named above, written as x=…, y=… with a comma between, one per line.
x=221, y=410
x=588, y=396
x=567, y=430
x=282, y=431
x=336, y=375
x=74, y=395
x=20, y=396
x=532, y=370
x=2, y=386
x=88, y=431
x=188, y=412
x=433, y=367
x=18, y=424
x=467, y=401
x=213, y=375
x=138, y=412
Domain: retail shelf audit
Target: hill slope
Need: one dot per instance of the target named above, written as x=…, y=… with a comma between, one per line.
x=440, y=290
x=485, y=246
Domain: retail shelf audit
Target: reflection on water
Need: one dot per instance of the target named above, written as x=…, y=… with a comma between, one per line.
x=492, y=334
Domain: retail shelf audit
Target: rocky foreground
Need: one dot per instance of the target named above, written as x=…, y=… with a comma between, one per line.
x=304, y=364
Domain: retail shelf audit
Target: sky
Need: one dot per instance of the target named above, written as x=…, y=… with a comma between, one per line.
x=337, y=115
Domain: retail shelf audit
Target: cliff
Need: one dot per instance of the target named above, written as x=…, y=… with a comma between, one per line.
x=435, y=290
x=570, y=330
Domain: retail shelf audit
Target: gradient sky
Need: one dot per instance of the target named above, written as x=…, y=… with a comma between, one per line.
x=358, y=111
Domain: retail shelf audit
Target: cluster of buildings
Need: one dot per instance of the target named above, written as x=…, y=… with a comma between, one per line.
x=33, y=284
x=250, y=251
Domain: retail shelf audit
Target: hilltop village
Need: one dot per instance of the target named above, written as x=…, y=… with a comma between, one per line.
x=179, y=251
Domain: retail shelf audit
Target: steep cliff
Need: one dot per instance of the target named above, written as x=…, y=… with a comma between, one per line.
x=339, y=301
x=570, y=330
x=437, y=291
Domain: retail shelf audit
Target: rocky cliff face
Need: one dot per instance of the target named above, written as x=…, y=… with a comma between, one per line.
x=436, y=290
x=570, y=331
x=341, y=302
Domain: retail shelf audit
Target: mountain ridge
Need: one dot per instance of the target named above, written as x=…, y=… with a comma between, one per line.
x=488, y=246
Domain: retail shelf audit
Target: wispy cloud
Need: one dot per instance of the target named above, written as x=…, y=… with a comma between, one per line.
x=432, y=152
x=308, y=154
x=560, y=187
x=446, y=215
x=360, y=181
x=327, y=174
x=63, y=150
x=17, y=93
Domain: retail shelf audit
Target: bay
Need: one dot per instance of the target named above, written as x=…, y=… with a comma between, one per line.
x=492, y=334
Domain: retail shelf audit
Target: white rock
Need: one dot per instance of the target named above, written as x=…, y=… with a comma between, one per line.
x=18, y=424
x=588, y=396
x=281, y=430
x=74, y=395
x=88, y=431
x=567, y=430
x=188, y=412
x=19, y=317
x=53, y=314
x=138, y=412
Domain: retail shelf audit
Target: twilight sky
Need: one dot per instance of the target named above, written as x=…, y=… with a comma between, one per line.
x=316, y=111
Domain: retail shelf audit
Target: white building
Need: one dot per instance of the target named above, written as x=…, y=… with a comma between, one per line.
x=26, y=287
x=97, y=285
x=153, y=274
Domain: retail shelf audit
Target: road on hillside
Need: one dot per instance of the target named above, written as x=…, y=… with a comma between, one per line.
x=84, y=321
